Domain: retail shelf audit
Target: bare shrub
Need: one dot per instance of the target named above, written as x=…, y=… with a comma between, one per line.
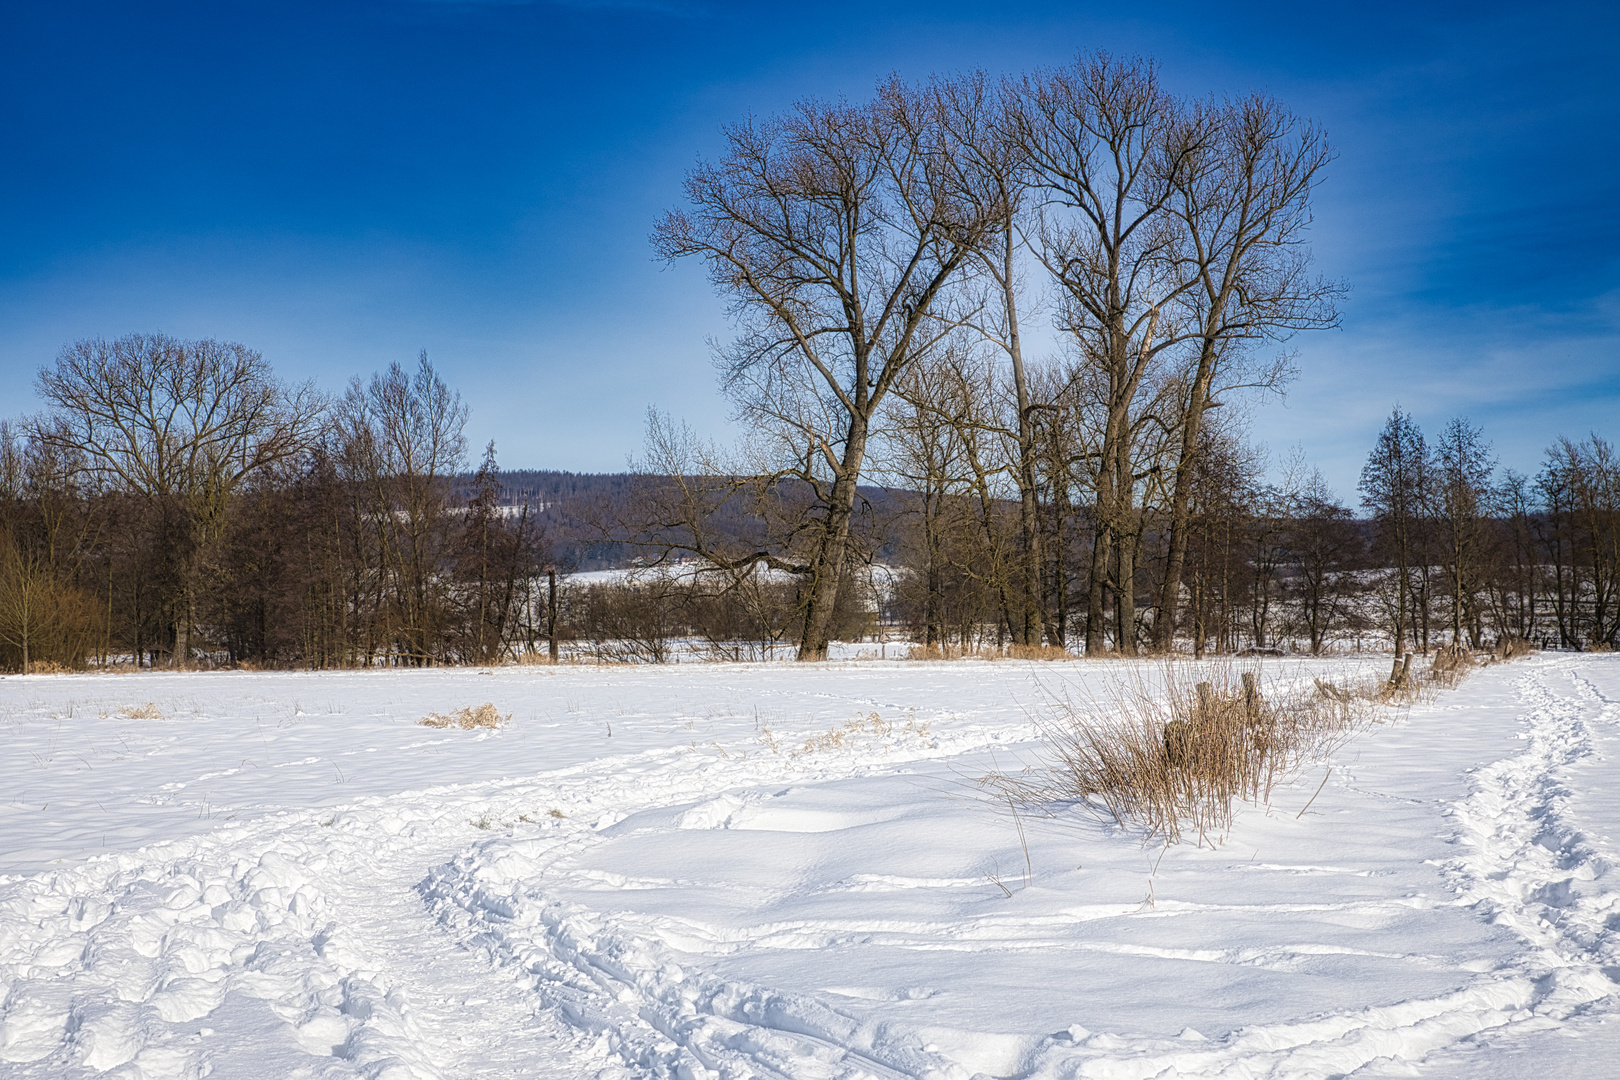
x=481, y=716
x=936, y=652
x=626, y=624
x=1172, y=761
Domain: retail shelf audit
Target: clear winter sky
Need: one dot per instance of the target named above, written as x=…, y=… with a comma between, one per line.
x=341, y=184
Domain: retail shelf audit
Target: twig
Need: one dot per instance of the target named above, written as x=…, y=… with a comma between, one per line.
x=1029, y=867
x=1319, y=788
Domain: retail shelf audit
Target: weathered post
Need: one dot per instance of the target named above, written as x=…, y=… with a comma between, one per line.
x=551, y=610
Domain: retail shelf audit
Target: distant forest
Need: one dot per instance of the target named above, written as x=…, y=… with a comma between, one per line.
x=906, y=469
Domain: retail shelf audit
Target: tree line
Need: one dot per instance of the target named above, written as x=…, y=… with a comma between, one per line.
x=177, y=503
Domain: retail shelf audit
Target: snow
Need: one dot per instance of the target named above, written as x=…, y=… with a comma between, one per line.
x=782, y=870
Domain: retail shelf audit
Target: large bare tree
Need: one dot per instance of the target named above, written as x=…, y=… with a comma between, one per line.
x=1244, y=205
x=1109, y=149
x=178, y=422
x=836, y=231
x=402, y=440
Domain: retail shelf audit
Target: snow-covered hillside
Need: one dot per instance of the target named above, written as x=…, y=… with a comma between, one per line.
x=784, y=871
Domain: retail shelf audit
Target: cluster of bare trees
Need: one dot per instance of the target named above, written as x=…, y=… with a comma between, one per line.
x=176, y=503
x=1472, y=556
x=881, y=259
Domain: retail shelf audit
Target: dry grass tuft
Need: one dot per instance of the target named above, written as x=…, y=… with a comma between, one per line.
x=149, y=711
x=1037, y=652
x=481, y=716
x=1512, y=648
x=1450, y=665
x=1173, y=760
x=869, y=731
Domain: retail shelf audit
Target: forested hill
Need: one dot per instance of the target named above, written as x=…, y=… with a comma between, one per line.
x=573, y=508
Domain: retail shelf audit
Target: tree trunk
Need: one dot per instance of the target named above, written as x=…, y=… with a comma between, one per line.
x=1192, y=423
x=833, y=549
x=1037, y=623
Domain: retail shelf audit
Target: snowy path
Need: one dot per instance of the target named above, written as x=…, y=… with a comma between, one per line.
x=750, y=877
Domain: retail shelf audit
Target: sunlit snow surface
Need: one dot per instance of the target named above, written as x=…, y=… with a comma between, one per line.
x=735, y=871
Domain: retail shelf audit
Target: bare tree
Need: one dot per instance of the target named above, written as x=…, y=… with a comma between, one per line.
x=1322, y=543
x=401, y=439
x=1393, y=483
x=1460, y=494
x=1108, y=149
x=1580, y=492
x=182, y=422
x=1245, y=206
x=983, y=118
x=1515, y=581
x=836, y=231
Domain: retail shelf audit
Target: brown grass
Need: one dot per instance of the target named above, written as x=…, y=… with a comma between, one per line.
x=467, y=719
x=149, y=711
x=869, y=731
x=1512, y=648
x=1009, y=652
x=1173, y=761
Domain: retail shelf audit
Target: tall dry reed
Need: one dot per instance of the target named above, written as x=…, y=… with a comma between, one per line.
x=1173, y=758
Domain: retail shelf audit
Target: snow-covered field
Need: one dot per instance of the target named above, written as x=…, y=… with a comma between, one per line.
x=784, y=871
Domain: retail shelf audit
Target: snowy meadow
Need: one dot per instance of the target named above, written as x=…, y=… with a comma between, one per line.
x=788, y=870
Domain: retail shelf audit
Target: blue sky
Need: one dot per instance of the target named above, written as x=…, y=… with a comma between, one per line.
x=343, y=184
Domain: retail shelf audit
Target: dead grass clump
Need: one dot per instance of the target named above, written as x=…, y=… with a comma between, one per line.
x=1450, y=664
x=1009, y=652
x=467, y=719
x=48, y=667
x=866, y=731
x=937, y=652
x=1037, y=652
x=1405, y=687
x=1172, y=760
x=149, y=711
x=1514, y=647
